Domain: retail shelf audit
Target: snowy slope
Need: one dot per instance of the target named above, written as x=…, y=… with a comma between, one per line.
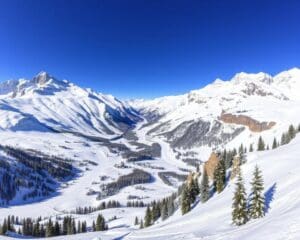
x=47, y=104
x=59, y=118
x=259, y=96
x=212, y=220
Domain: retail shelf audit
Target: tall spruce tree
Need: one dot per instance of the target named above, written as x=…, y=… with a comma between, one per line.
x=257, y=200
x=148, y=217
x=239, y=206
x=292, y=132
x=251, y=148
x=261, y=144
x=204, y=188
x=220, y=176
x=185, y=200
x=274, y=145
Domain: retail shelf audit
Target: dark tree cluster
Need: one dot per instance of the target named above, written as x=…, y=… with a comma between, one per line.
x=41, y=228
x=33, y=170
x=158, y=209
x=135, y=204
x=189, y=193
x=103, y=205
x=138, y=176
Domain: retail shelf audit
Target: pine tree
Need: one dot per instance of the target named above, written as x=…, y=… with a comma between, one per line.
x=204, y=189
x=261, y=144
x=251, y=148
x=220, y=176
x=257, y=201
x=141, y=224
x=100, y=223
x=171, y=207
x=193, y=189
x=185, y=200
x=148, y=217
x=274, y=145
x=239, y=206
x=136, y=221
x=164, y=211
x=291, y=132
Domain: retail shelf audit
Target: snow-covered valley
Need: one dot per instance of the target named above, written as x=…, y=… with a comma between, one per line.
x=106, y=140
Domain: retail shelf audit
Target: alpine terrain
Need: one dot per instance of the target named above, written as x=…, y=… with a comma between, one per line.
x=220, y=162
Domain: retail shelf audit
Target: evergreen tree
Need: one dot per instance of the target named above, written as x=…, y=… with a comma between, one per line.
x=141, y=224
x=291, y=132
x=136, y=221
x=204, y=189
x=100, y=223
x=261, y=144
x=193, y=189
x=185, y=200
x=164, y=211
x=239, y=206
x=148, y=217
x=251, y=148
x=220, y=176
x=284, y=139
x=171, y=207
x=274, y=145
x=257, y=201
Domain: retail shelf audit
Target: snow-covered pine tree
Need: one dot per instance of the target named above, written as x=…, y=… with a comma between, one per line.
x=148, y=217
x=239, y=206
x=141, y=224
x=204, y=188
x=220, y=176
x=261, y=144
x=193, y=189
x=251, y=148
x=257, y=200
x=136, y=221
x=291, y=132
x=274, y=145
x=185, y=200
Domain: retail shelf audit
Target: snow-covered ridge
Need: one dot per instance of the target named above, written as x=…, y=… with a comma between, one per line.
x=45, y=102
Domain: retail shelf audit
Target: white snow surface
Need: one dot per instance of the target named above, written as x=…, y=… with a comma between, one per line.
x=29, y=107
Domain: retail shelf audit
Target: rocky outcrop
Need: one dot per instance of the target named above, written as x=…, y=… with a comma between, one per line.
x=200, y=133
x=252, y=124
x=211, y=165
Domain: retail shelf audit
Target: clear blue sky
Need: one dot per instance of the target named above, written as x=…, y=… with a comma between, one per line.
x=147, y=48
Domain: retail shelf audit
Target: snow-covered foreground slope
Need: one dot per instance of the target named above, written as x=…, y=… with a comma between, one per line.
x=212, y=220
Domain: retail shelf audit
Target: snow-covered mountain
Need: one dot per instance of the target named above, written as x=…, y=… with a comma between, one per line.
x=222, y=110
x=64, y=147
x=48, y=104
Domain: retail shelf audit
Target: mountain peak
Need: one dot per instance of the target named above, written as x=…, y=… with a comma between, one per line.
x=252, y=77
x=42, y=78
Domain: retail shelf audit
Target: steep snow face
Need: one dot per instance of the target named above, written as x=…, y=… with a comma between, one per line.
x=259, y=96
x=212, y=220
x=47, y=103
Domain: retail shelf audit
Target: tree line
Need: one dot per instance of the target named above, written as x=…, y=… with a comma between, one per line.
x=39, y=228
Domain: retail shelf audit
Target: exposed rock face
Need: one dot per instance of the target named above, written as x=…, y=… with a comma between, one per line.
x=252, y=124
x=199, y=133
x=211, y=165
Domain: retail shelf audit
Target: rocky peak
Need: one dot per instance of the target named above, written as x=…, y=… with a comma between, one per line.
x=42, y=78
